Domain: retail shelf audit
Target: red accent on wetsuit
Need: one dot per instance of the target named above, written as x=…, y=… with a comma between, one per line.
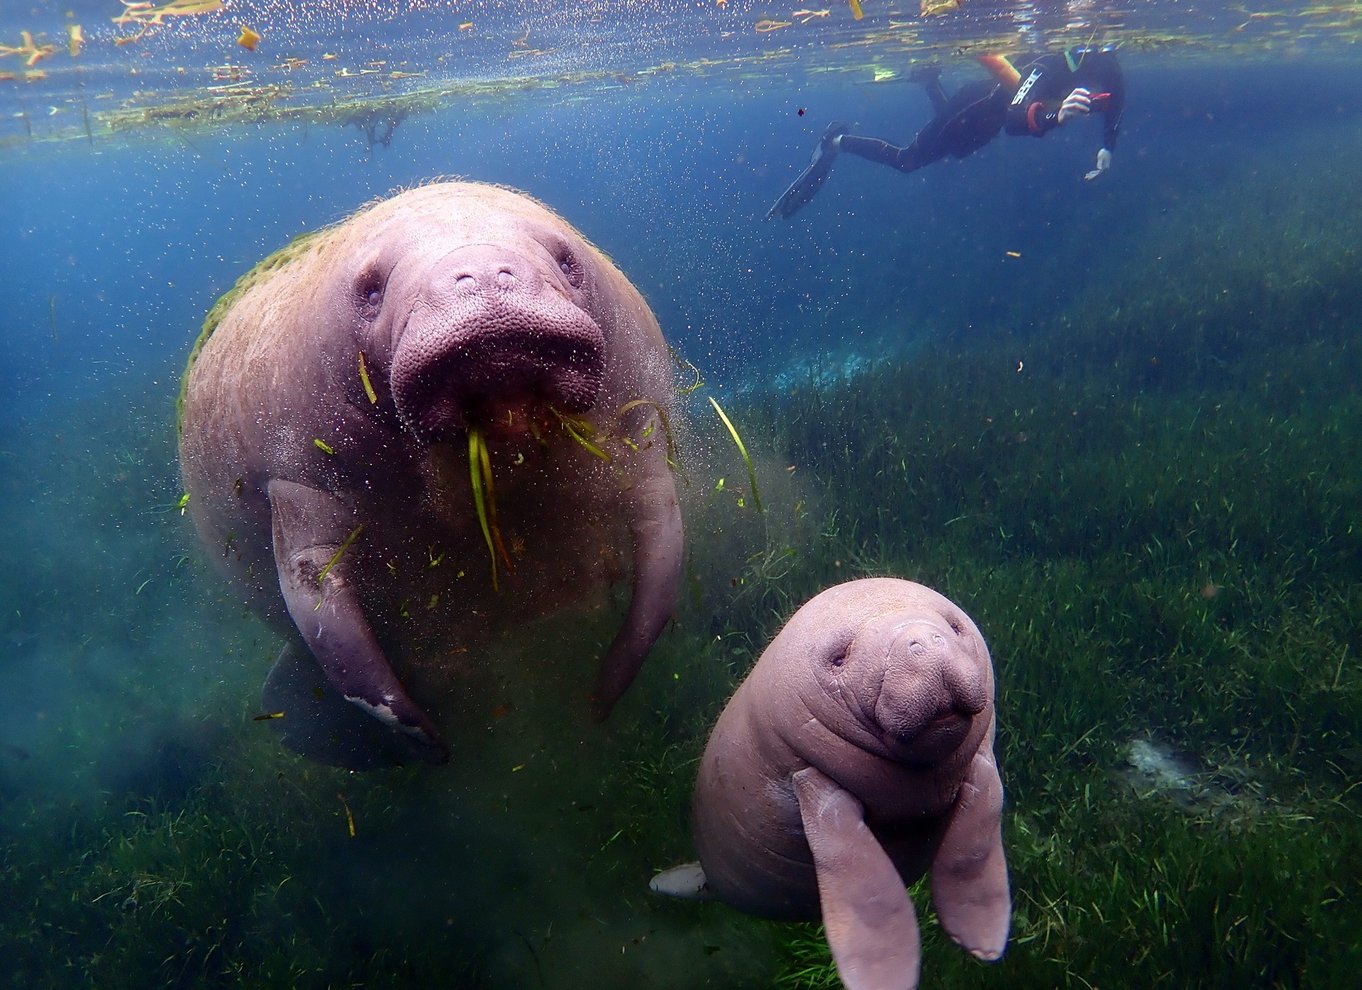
x=1031, y=112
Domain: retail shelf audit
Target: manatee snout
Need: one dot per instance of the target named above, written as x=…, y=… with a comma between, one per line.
x=933, y=687
x=493, y=334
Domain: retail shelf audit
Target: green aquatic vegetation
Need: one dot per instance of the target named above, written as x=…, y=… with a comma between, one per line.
x=1153, y=522
x=1114, y=889
x=336, y=557
x=655, y=781
x=1166, y=547
x=596, y=440
x=369, y=392
x=742, y=449
x=582, y=432
x=262, y=271
x=683, y=365
x=176, y=893
x=484, y=500
x=673, y=455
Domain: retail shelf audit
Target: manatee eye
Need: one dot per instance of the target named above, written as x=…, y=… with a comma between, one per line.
x=369, y=293
x=839, y=658
x=572, y=269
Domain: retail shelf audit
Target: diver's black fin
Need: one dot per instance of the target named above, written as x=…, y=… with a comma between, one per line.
x=811, y=179
x=318, y=723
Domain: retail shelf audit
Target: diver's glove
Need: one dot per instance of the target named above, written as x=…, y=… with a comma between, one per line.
x=1103, y=164
x=1076, y=103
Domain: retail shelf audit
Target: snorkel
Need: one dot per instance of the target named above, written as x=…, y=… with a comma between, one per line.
x=1001, y=69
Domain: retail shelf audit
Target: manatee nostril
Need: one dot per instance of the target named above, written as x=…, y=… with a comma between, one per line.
x=502, y=277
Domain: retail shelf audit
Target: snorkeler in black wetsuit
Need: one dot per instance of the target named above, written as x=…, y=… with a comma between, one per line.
x=1044, y=95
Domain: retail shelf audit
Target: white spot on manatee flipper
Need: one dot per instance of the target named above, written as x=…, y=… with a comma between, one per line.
x=686, y=881
x=383, y=713
x=387, y=716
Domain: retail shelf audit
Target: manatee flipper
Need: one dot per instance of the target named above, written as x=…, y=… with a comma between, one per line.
x=310, y=530
x=869, y=921
x=686, y=881
x=655, y=524
x=318, y=723
x=969, y=873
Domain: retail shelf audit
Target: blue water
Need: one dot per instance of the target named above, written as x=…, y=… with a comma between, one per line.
x=129, y=671
x=120, y=250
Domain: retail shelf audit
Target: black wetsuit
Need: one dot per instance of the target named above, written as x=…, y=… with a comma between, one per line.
x=971, y=118
x=1034, y=107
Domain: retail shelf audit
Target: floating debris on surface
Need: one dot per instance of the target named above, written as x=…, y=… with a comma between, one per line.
x=28, y=50
x=177, y=43
x=147, y=15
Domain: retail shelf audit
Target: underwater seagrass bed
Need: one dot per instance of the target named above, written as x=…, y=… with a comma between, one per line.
x=1207, y=594
x=1129, y=453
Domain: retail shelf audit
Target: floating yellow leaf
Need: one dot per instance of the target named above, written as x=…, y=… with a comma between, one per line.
x=31, y=52
x=934, y=8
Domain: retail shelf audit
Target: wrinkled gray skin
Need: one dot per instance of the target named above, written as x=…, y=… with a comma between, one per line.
x=857, y=755
x=473, y=306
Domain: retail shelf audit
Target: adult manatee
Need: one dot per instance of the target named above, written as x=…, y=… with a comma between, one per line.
x=857, y=754
x=440, y=418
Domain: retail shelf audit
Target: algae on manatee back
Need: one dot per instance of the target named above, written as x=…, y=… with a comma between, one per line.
x=287, y=254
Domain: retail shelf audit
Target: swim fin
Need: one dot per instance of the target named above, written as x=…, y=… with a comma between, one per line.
x=811, y=179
